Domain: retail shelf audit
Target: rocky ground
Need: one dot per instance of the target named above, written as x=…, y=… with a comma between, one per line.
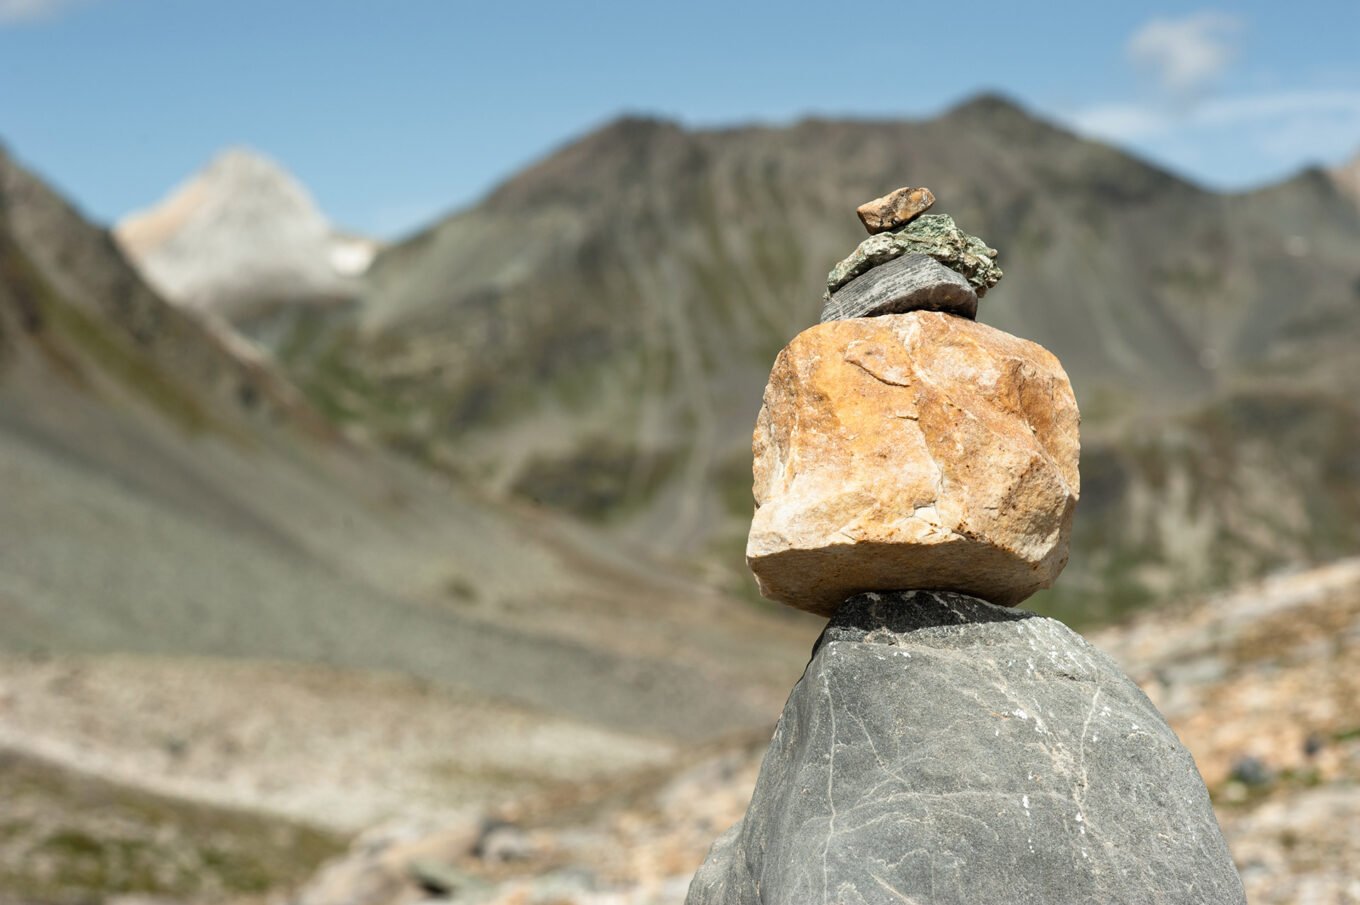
x=194, y=728
x=69, y=836
x=1259, y=684
x=1262, y=686
x=467, y=802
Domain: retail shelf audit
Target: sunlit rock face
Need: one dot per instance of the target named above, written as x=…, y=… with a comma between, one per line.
x=916, y=450
x=240, y=233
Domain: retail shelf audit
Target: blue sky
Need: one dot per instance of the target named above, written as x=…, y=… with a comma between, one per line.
x=393, y=112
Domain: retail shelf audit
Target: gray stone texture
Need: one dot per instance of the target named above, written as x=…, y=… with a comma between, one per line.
x=939, y=749
x=913, y=282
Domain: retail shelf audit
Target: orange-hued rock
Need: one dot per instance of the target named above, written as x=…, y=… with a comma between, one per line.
x=912, y=451
x=895, y=209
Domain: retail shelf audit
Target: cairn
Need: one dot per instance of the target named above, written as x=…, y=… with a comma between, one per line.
x=915, y=478
x=902, y=444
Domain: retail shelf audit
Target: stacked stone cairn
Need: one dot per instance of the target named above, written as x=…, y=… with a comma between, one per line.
x=915, y=478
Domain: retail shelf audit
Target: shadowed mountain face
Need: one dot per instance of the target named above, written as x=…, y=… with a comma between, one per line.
x=595, y=335
x=167, y=492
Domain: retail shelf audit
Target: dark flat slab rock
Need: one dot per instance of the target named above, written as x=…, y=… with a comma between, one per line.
x=939, y=749
x=912, y=282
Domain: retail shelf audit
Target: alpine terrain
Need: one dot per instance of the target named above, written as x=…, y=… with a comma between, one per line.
x=594, y=335
x=184, y=538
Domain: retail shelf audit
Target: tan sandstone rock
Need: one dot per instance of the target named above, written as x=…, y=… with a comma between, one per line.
x=912, y=451
x=897, y=208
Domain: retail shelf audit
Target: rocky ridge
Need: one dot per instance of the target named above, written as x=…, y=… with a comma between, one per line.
x=497, y=344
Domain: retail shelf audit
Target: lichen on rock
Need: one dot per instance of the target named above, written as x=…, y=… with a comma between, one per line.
x=935, y=235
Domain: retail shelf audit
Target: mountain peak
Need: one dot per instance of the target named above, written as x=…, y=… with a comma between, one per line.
x=621, y=152
x=240, y=163
x=242, y=229
x=238, y=184
x=989, y=106
x=632, y=124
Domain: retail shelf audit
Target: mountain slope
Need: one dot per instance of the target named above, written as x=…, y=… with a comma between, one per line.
x=166, y=494
x=596, y=333
x=1347, y=178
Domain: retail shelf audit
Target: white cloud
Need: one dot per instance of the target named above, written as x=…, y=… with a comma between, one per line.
x=1135, y=122
x=13, y=12
x=1187, y=54
x=1225, y=141
x=1119, y=122
x=1235, y=141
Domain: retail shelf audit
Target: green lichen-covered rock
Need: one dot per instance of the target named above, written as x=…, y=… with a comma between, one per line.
x=930, y=234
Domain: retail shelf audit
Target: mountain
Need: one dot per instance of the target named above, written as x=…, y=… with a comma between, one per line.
x=184, y=536
x=1347, y=178
x=595, y=334
x=240, y=235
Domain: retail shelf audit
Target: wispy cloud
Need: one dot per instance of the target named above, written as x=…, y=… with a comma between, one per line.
x=1224, y=139
x=1186, y=55
x=1188, y=122
x=1134, y=122
x=15, y=12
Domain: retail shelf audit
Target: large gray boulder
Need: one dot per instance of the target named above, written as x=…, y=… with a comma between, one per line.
x=939, y=749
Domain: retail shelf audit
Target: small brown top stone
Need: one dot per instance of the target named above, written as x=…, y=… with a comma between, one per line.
x=895, y=209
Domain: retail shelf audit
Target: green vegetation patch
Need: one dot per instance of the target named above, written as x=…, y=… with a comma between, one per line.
x=53, y=320
x=68, y=837
x=598, y=481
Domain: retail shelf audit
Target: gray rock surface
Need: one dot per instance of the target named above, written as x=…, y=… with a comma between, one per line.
x=939, y=749
x=913, y=282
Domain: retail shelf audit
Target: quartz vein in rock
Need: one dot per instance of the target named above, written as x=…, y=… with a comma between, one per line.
x=980, y=754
